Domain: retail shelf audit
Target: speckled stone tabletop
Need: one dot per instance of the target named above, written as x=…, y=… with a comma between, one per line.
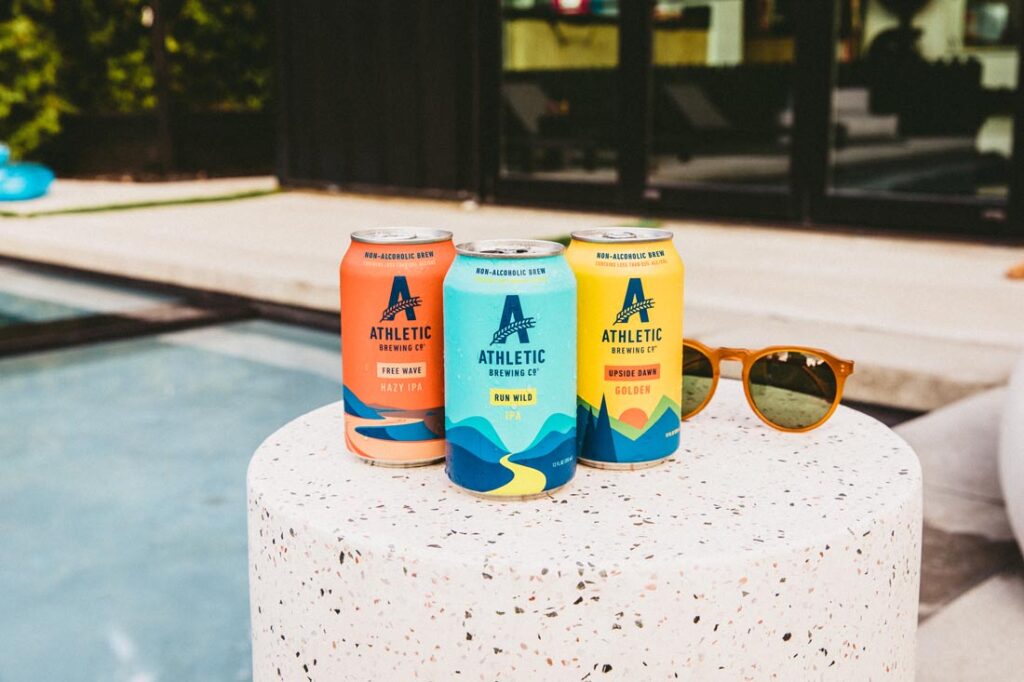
x=752, y=554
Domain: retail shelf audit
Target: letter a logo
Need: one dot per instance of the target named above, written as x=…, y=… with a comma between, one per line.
x=634, y=303
x=513, y=322
x=400, y=301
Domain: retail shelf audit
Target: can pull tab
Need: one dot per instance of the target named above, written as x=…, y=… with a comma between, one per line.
x=398, y=235
x=505, y=251
x=619, y=234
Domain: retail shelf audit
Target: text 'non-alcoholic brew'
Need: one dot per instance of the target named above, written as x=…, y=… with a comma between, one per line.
x=392, y=341
x=510, y=368
x=630, y=283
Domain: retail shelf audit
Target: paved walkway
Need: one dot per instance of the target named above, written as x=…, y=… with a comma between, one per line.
x=927, y=322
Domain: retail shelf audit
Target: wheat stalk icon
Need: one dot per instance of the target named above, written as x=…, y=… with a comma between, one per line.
x=391, y=311
x=507, y=331
x=625, y=313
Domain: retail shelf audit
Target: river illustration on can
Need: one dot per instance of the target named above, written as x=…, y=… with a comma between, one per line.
x=392, y=344
x=510, y=368
x=630, y=283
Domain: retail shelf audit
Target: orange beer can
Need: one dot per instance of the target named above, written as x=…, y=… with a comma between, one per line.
x=392, y=344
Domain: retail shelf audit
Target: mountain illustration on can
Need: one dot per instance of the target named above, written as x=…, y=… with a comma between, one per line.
x=630, y=286
x=510, y=372
x=392, y=333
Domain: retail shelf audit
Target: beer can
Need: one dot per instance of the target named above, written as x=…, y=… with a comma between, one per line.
x=630, y=287
x=392, y=344
x=510, y=368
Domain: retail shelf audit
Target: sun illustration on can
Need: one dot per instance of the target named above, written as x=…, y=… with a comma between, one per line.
x=630, y=296
x=634, y=416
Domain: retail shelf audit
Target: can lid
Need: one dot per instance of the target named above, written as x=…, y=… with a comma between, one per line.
x=510, y=248
x=401, y=235
x=616, y=235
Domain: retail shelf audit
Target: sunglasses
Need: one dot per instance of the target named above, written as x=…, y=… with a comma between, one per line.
x=791, y=388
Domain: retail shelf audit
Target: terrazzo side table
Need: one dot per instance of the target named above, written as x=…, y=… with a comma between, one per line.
x=754, y=554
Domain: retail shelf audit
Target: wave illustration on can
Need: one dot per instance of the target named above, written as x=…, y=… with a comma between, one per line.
x=392, y=344
x=510, y=368
x=630, y=284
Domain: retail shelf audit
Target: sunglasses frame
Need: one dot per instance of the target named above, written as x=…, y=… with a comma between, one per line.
x=841, y=369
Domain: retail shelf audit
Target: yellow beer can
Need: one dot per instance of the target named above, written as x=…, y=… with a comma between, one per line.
x=630, y=345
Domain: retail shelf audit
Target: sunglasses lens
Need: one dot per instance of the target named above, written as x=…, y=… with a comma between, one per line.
x=792, y=389
x=698, y=376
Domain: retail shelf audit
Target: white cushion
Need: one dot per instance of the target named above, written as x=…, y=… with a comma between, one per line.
x=958, y=446
x=1011, y=451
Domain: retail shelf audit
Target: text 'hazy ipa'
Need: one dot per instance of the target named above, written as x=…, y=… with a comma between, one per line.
x=510, y=371
x=392, y=344
x=630, y=283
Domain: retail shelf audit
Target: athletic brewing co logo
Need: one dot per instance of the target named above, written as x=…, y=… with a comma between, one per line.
x=513, y=322
x=635, y=303
x=400, y=301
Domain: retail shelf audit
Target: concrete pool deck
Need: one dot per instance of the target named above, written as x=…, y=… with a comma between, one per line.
x=92, y=195
x=927, y=322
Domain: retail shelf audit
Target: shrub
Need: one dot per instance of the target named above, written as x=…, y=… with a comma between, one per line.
x=95, y=56
x=30, y=101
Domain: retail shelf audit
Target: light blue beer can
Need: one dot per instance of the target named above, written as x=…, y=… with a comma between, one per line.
x=510, y=368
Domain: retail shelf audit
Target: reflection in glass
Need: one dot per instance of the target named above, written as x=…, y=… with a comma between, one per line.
x=923, y=99
x=721, y=92
x=558, y=92
x=698, y=379
x=791, y=389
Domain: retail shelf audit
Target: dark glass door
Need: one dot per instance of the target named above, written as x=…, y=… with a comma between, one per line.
x=922, y=112
x=720, y=104
x=896, y=114
x=559, y=107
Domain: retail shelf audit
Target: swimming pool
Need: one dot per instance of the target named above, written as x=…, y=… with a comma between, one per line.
x=123, y=497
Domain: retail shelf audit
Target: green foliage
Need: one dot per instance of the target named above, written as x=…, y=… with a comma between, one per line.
x=106, y=52
x=220, y=54
x=30, y=102
x=95, y=56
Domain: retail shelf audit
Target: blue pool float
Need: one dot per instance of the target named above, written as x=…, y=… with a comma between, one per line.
x=19, y=181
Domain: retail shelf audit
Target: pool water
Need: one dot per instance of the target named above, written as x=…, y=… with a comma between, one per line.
x=20, y=309
x=27, y=295
x=6, y=319
x=124, y=502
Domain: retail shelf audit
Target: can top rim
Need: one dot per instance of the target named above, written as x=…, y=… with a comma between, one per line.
x=510, y=248
x=401, y=235
x=621, y=235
